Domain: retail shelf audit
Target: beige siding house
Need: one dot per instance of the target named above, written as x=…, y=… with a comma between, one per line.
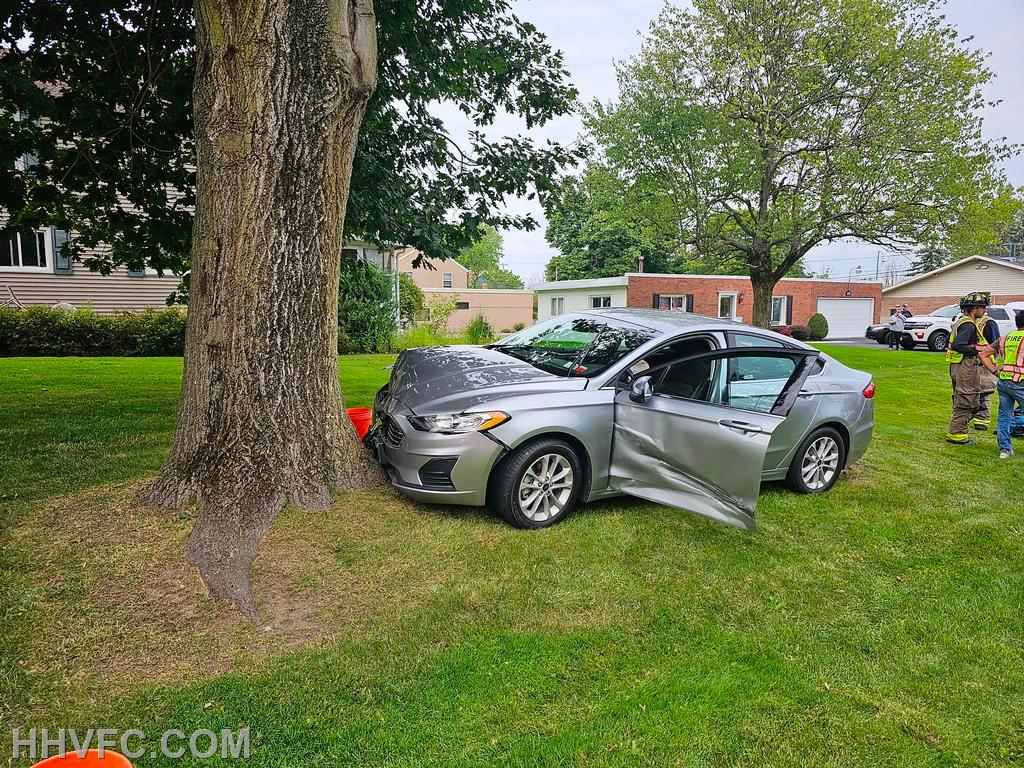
x=924, y=293
x=32, y=272
x=504, y=309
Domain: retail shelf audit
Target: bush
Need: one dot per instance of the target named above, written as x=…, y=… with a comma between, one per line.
x=46, y=332
x=784, y=330
x=800, y=332
x=479, y=331
x=366, y=309
x=818, y=326
x=422, y=335
x=518, y=327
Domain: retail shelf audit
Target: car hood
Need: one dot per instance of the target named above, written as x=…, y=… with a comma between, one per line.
x=436, y=379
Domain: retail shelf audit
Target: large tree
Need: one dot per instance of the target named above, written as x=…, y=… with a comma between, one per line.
x=119, y=132
x=256, y=122
x=773, y=126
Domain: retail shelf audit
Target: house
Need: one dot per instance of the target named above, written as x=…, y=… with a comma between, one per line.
x=504, y=309
x=848, y=306
x=32, y=272
x=1003, y=278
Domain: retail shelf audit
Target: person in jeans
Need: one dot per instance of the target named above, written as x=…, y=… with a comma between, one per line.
x=1011, y=381
x=897, y=324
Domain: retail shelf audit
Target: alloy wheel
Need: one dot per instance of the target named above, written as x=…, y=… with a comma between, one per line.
x=820, y=463
x=546, y=487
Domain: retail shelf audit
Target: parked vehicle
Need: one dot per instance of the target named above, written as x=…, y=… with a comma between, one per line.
x=934, y=328
x=680, y=409
x=878, y=332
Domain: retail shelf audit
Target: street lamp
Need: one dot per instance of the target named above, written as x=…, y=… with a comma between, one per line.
x=849, y=279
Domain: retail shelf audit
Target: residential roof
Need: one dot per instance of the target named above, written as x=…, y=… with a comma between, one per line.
x=608, y=282
x=402, y=253
x=954, y=265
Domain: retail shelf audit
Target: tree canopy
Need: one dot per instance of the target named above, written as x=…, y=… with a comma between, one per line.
x=485, y=260
x=769, y=127
x=116, y=145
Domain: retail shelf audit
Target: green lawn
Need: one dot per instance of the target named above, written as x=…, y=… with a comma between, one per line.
x=879, y=625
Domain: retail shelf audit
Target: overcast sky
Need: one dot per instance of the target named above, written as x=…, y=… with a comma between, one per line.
x=594, y=33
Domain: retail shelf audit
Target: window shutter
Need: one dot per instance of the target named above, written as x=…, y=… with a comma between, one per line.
x=689, y=302
x=789, y=310
x=61, y=261
x=657, y=301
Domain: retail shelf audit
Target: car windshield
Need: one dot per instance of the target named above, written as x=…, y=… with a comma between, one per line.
x=950, y=311
x=574, y=346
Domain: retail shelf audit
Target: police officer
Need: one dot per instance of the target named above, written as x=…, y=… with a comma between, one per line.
x=983, y=417
x=1011, y=381
x=965, y=366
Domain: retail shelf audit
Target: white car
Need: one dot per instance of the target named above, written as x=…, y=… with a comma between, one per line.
x=933, y=329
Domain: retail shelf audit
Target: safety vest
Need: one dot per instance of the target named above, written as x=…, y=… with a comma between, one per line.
x=955, y=357
x=1011, y=348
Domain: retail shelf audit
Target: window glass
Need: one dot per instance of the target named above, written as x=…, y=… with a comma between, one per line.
x=778, y=310
x=998, y=314
x=949, y=311
x=24, y=249
x=557, y=305
x=573, y=345
x=8, y=252
x=752, y=340
x=446, y=279
x=753, y=383
x=598, y=302
x=726, y=306
x=462, y=305
x=672, y=302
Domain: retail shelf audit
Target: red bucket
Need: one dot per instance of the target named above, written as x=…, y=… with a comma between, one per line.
x=361, y=419
x=92, y=759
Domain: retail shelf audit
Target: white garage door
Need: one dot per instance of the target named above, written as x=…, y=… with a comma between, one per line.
x=847, y=318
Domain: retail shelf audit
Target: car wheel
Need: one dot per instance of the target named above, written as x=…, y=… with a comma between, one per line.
x=882, y=338
x=938, y=341
x=818, y=462
x=538, y=484
x=907, y=343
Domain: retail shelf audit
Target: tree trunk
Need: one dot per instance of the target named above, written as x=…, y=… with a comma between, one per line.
x=763, y=286
x=280, y=90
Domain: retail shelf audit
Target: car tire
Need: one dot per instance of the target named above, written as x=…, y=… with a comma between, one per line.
x=883, y=338
x=938, y=341
x=818, y=462
x=527, y=488
x=907, y=343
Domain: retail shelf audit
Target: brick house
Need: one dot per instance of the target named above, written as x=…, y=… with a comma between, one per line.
x=1002, y=278
x=848, y=306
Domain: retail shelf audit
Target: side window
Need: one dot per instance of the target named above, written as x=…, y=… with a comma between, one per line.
x=750, y=382
x=693, y=345
x=750, y=340
x=998, y=314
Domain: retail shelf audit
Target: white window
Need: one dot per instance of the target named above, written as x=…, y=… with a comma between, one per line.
x=28, y=251
x=446, y=279
x=673, y=301
x=598, y=302
x=409, y=275
x=557, y=305
x=727, y=306
x=778, y=310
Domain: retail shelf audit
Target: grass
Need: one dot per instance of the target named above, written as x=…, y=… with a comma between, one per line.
x=879, y=625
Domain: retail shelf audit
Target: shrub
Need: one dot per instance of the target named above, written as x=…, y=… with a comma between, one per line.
x=479, y=331
x=518, y=327
x=410, y=298
x=819, y=326
x=366, y=309
x=44, y=331
x=422, y=335
x=441, y=309
x=784, y=330
x=800, y=332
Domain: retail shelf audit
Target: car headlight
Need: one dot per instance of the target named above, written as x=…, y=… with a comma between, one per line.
x=459, y=423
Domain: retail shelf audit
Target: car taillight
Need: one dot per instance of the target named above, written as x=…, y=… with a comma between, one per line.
x=869, y=390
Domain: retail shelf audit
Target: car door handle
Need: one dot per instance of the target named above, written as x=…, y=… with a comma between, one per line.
x=743, y=426
x=806, y=393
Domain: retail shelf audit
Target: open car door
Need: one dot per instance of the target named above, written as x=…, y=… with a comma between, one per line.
x=693, y=433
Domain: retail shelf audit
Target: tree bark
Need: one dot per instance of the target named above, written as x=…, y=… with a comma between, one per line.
x=763, y=286
x=279, y=94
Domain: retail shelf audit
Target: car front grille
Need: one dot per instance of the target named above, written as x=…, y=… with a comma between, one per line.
x=393, y=434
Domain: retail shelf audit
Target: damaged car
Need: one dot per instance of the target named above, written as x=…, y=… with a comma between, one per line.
x=671, y=407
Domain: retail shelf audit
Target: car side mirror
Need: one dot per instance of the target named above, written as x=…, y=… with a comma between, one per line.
x=641, y=390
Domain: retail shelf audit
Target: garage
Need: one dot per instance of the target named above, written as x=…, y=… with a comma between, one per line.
x=847, y=318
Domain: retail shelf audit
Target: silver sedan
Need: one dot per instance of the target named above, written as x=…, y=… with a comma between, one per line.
x=667, y=406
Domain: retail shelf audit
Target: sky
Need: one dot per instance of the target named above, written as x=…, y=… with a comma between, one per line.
x=592, y=34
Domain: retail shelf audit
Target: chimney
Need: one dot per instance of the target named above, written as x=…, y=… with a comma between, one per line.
x=640, y=260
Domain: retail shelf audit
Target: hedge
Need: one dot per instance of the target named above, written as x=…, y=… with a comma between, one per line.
x=47, y=332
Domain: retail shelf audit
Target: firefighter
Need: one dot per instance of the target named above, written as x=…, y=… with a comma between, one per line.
x=1011, y=381
x=983, y=416
x=965, y=366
